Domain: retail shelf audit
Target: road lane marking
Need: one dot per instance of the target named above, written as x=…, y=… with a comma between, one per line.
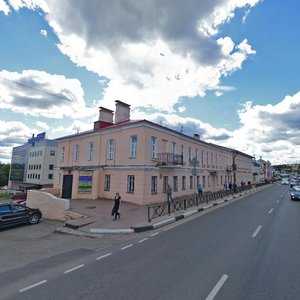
x=217, y=287
x=153, y=234
x=32, y=286
x=271, y=210
x=256, y=231
x=143, y=240
x=277, y=201
x=128, y=246
x=103, y=256
x=73, y=269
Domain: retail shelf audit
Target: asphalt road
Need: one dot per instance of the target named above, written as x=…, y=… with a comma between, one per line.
x=248, y=249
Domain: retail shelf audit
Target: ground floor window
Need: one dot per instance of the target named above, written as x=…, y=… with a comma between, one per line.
x=203, y=181
x=191, y=182
x=183, y=182
x=107, y=183
x=165, y=183
x=208, y=181
x=154, y=184
x=175, y=183
x=130, y=184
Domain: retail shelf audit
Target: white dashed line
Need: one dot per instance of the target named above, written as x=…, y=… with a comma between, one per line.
x=32, y=286
x=154, y=234
x=143, y=240
x=217, y=287
x=73, y=269
x=277, y=201
x=271, y=210
x=128, y=246
x=256, y=231
x=103, y=256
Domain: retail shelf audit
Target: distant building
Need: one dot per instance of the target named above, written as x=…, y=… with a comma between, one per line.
x=32, y=164
x=266, y=170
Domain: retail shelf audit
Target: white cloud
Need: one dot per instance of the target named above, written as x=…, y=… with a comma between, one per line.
x=12, y=134
x=151, y=51
x=44, y=32
x=42, y=125
x=38, y=94
x=181, y=109
x=4, y=7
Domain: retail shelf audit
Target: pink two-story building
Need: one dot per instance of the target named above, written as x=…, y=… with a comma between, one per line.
x=139, y=159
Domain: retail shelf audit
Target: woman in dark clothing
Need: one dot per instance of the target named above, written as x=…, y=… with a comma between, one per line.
x=115, y=210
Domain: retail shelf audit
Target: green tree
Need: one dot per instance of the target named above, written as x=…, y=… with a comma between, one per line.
x=4, y=173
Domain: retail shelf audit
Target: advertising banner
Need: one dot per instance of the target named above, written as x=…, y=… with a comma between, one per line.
x=85, y=181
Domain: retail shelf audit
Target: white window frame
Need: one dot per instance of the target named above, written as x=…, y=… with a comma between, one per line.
x=165, y=183
x=130, y=183
x=62, y=156
x=91, y=151
x=76, y=152
x=133, y=146
x=153, y=184
x=183, y=183
x=153, y=147
x=111, y=149
x=107, y=180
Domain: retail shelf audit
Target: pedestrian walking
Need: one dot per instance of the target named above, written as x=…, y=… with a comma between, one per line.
x=115, y=209
x=230, y=185
x=199, y=188
x=225, y=186
x=169, y=194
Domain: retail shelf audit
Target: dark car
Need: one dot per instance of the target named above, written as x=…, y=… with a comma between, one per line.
x=15, y=214
x=295, y=192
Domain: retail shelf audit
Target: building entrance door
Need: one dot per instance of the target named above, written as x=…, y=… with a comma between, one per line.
x=67, y=186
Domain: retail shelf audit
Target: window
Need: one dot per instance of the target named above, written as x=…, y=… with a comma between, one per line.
x=202, y=157
x=212, y=159
x=40, y=166
x=130, y=184
x=183, y=153
x=154, y=184
x=208, y=181
x=76, y=152
x=197, y=153
x=39, y=176
x=165, y=183
x=174, y=148
x=50, y=176
x=133, y=146
x=198, y=180
x=191, y=182
x=153, y=147
x=91, y=151
x=110, y=149
x=183, y=182
x=107, y=183
x=175, y=183
x=51, y=167
x=207, y=158
x=203, y=181
x=62, y=154
x=52, y=152
x=216, y=160
x=41, y=153
x=190, y=153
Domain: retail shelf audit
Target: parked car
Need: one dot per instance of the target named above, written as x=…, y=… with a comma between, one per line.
x=295, y=192
x=13, y=214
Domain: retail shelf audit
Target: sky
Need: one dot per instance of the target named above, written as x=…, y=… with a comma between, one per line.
x=227, y=70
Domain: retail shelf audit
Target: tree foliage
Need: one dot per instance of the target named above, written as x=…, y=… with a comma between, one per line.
x=4, y=173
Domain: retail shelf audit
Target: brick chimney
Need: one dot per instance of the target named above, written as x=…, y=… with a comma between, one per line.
x=122, y=112
x=106, y=117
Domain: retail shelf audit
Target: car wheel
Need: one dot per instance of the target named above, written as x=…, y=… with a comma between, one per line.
x=35, y=218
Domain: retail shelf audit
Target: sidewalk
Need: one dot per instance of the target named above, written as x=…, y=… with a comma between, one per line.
x=96, y=216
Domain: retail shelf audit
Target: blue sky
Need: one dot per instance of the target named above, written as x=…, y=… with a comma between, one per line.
x=227, y=70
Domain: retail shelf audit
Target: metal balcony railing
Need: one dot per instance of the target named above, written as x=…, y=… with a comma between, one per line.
x=169, y=159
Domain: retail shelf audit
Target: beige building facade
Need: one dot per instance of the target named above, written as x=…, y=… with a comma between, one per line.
x=139, y=159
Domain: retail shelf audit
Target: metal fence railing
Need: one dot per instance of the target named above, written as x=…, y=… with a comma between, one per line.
x=182, y=203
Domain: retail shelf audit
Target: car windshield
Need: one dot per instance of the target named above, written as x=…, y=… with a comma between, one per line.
x=296, y=188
